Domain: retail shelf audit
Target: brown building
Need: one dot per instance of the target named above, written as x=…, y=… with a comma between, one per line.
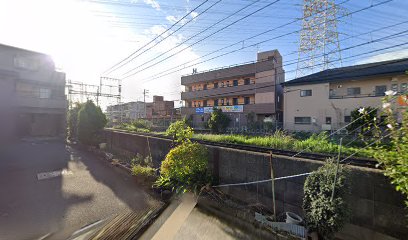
x=159, y=108
x=324, y=100
x=237, y=90
x=32, y=94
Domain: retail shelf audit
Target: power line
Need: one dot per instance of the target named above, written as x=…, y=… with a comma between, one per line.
x=168, y=29
x=219, y=30
x=362, y=9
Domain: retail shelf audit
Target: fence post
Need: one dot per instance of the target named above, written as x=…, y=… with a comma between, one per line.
x=273, y=186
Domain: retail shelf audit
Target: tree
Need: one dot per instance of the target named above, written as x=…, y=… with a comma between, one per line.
x=218, y=121
x=72, y=122
x=323, y=214
x=90, y=121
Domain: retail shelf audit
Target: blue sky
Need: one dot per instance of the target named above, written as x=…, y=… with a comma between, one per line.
x=87, y=37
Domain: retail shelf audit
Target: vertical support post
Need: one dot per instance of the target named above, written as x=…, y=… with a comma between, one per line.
x=273, y=186
x=337, y=170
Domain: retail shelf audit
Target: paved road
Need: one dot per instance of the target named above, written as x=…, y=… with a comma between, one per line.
x=58, y=206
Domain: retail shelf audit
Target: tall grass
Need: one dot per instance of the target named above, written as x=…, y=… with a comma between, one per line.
x=318, y=143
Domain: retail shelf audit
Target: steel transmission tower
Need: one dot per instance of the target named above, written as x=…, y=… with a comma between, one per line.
x=319, y=47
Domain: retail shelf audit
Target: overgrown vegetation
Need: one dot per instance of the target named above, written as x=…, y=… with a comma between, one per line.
x=139, y=125
x=180, y=131
x=319, y=143
x=185, y=168
x=218, y=121
x=143, y=167
x=84, y=121
x=363, y=121
x=324, y=214
x=394, y=155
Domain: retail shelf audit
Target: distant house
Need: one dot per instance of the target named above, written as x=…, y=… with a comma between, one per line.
x=126, y=112
x=324, y=100
x=32, y=94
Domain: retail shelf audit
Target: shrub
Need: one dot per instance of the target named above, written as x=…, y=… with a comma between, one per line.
x=143, y=171
x=393, y=154
x=185, y=168
x=90, y=121
x=180, y=131
x=324, y=215
x=218, y=121
x=142, y=124
x=363, y=122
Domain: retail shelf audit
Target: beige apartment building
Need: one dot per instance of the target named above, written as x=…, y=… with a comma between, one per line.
x=237, y=91
x=32, y=94
x=324, y=100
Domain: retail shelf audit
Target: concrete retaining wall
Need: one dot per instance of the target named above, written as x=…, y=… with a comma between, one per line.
x=378, y=210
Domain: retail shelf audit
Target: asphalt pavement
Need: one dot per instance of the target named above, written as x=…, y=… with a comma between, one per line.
x=49, y=190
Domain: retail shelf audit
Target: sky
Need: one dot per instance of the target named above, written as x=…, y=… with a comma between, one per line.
x=88, y=37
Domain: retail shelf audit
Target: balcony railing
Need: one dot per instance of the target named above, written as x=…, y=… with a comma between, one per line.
x=333, y=96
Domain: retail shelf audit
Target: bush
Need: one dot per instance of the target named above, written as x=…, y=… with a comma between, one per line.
x=323, y=215
x=180, y=131
x=393, y=154
x=218, y=121
x=142, y=124
x=143, y=171
x=185, y=168
x=90, y=121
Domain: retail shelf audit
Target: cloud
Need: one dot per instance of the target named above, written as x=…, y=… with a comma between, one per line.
x=194, y=14
x=153, y=3
x=386, y=56
x=172, y=19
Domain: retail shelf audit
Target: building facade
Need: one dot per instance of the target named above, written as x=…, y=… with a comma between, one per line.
x=325, y=100
x=32, y=94
x=237, y=91
x=127, y=112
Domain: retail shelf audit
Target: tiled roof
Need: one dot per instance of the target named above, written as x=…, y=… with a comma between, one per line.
x=355, y=72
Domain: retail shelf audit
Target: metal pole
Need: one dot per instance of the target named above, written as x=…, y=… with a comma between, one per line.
x=273, y=186
x=337, y=170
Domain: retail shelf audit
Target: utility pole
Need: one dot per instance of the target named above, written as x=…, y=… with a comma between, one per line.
x=145, y=91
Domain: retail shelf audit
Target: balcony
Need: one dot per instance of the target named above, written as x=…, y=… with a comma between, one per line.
x=228, y=72
x=334, y=96
x=260, y=108
x=229, y=91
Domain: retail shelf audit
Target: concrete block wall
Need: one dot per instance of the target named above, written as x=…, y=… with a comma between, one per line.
x=377, y=209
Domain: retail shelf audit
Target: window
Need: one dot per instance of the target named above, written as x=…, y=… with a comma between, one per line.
x=403, y=87
x=222, y=102
x=228, y=102
x=328, y=120
x=205, y=103
x=216, y=85
x=199, y=104
x=305, y=93
x=303, y=120
x=228, y=84
x=347, y=119
x=205, y=87
x=235, y=83
x=235, y=101
x=45, y=93
x=194, y=104
x=380, y=90
x=353, y=91
x=247, y=81
x=394, y=87
x=222, y=84
x=216, y=102
x=247, y=100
